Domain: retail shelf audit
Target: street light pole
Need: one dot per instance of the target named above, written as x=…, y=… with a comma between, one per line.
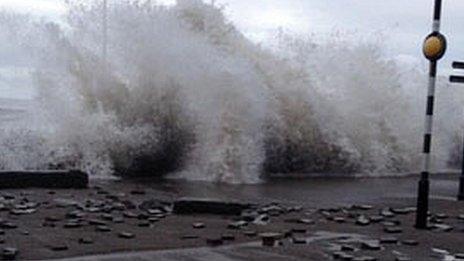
x=459, y=79
x=434, y=49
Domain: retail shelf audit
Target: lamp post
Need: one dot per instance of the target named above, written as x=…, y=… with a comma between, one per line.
x=459, y=79
x=434, y=48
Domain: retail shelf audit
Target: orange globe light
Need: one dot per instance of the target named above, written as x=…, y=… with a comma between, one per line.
x=434, y=47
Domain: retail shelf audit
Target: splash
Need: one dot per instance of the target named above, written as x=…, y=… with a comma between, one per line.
x=182, y=90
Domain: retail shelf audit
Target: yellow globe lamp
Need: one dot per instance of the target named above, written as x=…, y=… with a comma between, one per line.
x=434, y=46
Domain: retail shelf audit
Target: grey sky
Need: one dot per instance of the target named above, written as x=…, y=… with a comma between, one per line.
x=403, y=23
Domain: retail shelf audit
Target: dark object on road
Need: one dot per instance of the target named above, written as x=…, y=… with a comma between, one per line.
x=371, y=245
x=9, y=253
x=208, y=206
x=214, y=241
x=126, y=235
x=43, y=179
x=269, y=239
x=59, y=247
x=85, y=240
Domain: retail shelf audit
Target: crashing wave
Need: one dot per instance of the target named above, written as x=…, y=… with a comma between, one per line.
x=182, y=90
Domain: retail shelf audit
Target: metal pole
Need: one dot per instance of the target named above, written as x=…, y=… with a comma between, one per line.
x=105, y=31
x=424, y=183
x=461, y=181
x=459, y=79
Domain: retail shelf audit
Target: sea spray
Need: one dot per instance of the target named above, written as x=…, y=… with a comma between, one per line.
x=182, y=90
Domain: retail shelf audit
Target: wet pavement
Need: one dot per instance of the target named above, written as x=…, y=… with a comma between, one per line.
x=306, y=219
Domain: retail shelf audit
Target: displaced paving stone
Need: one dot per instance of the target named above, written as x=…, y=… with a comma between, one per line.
x=403, y=258
x=337, y=255
x=72, y=224
x=376, y=219
x=442, y=227
x=461, y=217
x=128, y=214
x=297, y=208
x=59, y=247
x=339, y=220
x=388, y=240
x=208, y=206
x=107, y=217
x=393, y=230
x=402, y=211
x=186, y=237
x=371, y=245
x=347, y=248
x=126, y=235
x=441, y=215
x=128, y=204
x=153, y=219
x=345, y=256
x=118, y=220
x=214, y=242
x=304, y=221
x=159, y=216
x=269, y=239
x=299, y=230
x=249, y=215
x=439, y=253
x=75, y=214
x=103, y=229
x=459, y=255
x=52, y=219
x=363, y=221
x=250, y=233
x=85, y=240
x=102, y=192
x=272, y=210
x=48, y=224
x=365, y=258
x=143, y=216
x=237, y=225
x=363, y=207
x=8, y=196
x=138, y=192
x=330, y=210
x=327, y=215
x=262, y=220
x=154, y=212
x=198, y=225
x=9, y=253
x=97, y=222
x=17, y=211
x=8, y=225
x=228, y=237
x=389, y=224
x=299, y=240
x=119, y=206
x=436, y=220
x=387, y=213
x=155, y=205
x=144, y=224
x=410, y=242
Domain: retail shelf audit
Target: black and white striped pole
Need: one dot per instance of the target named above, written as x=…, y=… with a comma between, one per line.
x=459, y=79
x=434, y=48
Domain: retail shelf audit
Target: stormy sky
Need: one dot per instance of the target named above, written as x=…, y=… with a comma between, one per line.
x=400, y=24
